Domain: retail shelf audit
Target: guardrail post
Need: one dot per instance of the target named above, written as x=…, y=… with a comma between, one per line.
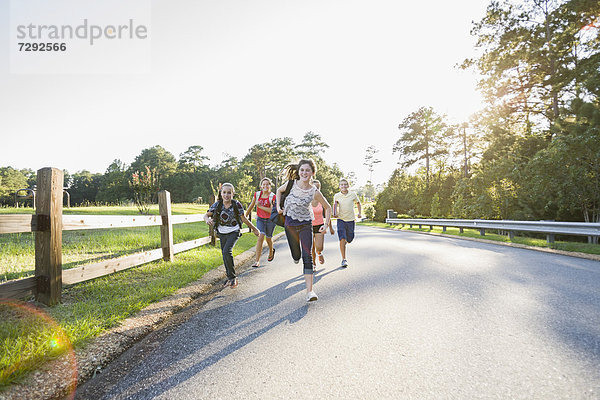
x=482, y=232
x=550, y=238
x=511, y=235
x=461, y=230
x=443, y=228
x=48, y=236
x=166, y=229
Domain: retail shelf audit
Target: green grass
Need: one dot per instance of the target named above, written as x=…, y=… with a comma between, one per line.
x=558, y=245
x=30, y=337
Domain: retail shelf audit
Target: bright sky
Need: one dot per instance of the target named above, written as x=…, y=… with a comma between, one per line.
x=228, y=74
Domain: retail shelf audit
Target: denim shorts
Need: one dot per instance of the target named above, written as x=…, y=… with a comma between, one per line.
x=345, y=230
x=265, y=226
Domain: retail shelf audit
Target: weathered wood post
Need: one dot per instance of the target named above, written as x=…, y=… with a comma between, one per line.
x=166, y=229
x=48, y=235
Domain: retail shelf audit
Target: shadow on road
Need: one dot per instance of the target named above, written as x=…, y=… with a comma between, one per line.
x=216, y=332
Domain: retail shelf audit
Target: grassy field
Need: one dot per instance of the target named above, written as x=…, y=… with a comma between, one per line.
x=529, y=241
x=30, y=336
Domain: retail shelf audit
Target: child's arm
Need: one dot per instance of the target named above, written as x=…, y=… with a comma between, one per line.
x=250, y=207
x=267, y=209
x=359, y=207
x=249, y=223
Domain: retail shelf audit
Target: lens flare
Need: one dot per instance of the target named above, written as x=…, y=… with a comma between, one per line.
x=28, y=321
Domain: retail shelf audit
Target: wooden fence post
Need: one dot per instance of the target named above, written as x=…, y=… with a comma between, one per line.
x=166, y=229
x=48, y=236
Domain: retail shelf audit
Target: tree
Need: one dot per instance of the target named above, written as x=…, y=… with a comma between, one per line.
x=269, y=159
x=84, y=187
x=312, y=145
x=371, y=160
x=422, y=138
x=534, y=58
x=144, y=185
x=11, y=180
x=565, y=176
x=232, y=171
x=192, y=159
x=155, y=158
x=114, y=185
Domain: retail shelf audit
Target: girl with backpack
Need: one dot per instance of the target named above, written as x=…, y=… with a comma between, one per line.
x=299, y=215
x=227, y=216
x=264, y=200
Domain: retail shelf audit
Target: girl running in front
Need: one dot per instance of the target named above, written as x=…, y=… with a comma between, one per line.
x=317, y=223
x=227, y=215
x=299, y=215
x=263, y=199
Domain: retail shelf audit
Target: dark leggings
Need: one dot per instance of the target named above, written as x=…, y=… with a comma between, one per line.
x=228, y=240
x=300, y=241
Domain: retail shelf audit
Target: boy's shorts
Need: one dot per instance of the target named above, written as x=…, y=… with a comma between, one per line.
x=265, y=226
x=345, y=230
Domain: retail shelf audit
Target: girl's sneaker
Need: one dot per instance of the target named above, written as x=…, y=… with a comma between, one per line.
x=311, y=296
x=234, y=283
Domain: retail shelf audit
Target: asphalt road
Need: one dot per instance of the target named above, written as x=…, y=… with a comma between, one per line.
x=413, y=317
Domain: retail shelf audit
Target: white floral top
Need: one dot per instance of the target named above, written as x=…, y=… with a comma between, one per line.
x=297, y=204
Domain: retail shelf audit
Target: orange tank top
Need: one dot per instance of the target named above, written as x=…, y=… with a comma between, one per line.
x=318, y=213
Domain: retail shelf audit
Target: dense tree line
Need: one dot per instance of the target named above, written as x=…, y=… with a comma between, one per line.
x=188, y=177
x=534, y=151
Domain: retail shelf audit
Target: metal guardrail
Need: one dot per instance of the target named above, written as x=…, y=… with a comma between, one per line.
x=550, y=228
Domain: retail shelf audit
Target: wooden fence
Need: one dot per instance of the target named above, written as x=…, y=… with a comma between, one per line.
x=48, y=223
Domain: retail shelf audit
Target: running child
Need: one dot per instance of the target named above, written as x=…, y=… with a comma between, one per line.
x=227, y=216
x=263, y=199
x=299, y=215
x=343, y=209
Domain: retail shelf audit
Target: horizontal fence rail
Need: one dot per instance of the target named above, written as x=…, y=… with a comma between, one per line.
x=19, y=223
x=49, y=222
x=107, y=267
x=550, y=228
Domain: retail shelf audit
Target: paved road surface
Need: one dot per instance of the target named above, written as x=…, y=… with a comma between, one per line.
x=413, y=317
